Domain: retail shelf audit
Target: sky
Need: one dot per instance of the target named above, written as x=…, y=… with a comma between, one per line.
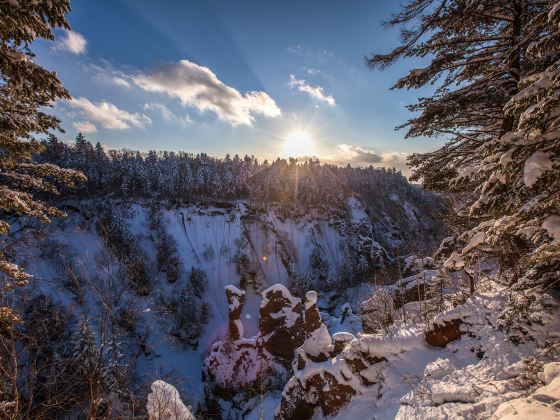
x=264, y=78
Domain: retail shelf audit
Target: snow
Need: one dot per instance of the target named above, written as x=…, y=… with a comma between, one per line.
x=476, y=240
x=542, y=404
x=552, y=225
x=410, y=212
x=310, y=299
x=454, y=262
x=319, y=342
x=461, y=312
x=283, y=290
x=265, y=408
x=197, y=229
x=234, y=290
x=535, y=166
x=357, y=210
x=422, y=382
x=468, y=172
x=343, y=336
x=236, y=364
x=236, y=293
x=240, y=328
x=505, y=222
x=164, y=403
x=507, y=157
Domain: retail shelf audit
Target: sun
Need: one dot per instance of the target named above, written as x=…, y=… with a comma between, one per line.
x=298, y=144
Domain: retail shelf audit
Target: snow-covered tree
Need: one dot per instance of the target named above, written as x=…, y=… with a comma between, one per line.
x=26, y=89
x=378, y=312
x=198, y=281
x=192, y=312
x=477, y=51
x=496, y=67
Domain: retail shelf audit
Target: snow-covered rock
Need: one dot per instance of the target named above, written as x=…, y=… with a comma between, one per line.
x=236, y=299
x=544, y=403
x=281, y=321
x=164, y=403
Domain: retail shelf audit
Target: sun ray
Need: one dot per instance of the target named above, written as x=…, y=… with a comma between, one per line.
x=299, y=144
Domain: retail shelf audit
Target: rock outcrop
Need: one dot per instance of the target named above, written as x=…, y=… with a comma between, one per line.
x=238, y=365
x=236, y=299
x=327, y=391
x=441, y=334
x=281, y=322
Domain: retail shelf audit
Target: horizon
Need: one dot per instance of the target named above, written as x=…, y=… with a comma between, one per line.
x=220, y=79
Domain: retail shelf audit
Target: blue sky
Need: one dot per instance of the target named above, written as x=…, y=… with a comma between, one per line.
x=233, y=76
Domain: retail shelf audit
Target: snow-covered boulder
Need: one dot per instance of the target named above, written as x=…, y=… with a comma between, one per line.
x=544, y=403
x=445, y=249
x=164, y=403
x=235, y=365
x=413, y=265
x=312, y=318
x=340, y=340
x=324, y=392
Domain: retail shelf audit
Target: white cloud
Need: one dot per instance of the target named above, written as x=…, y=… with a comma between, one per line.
x=119, y=81
x=313, y=72
x=186, y=120
x=197, y=86
x=85, y=127
x=294, y=49
x=165, y=112
x=108, y=115
x=326, y=55
x=316, y=92
x=72, y=42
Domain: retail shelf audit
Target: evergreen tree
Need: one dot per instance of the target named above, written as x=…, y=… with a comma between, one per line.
x=26, y=89
x=187, y=327
x=478, y=51
x=198, y=281
x=497, y=105
x=521, y=194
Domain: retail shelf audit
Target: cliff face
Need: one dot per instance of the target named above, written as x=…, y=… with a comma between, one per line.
x=161, y=271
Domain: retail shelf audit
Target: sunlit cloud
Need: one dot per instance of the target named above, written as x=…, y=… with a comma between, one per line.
x=156, y=106
x=166, y=113
x=316, y=92
x=313, y=72
x=362, y=156
x=108, y=115
x=72, y=42
x=119, y=81
x=359, y=154
x=85, y=127
x=198, y=87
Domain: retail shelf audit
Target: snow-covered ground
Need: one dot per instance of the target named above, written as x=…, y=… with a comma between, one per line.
x=468, y=379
